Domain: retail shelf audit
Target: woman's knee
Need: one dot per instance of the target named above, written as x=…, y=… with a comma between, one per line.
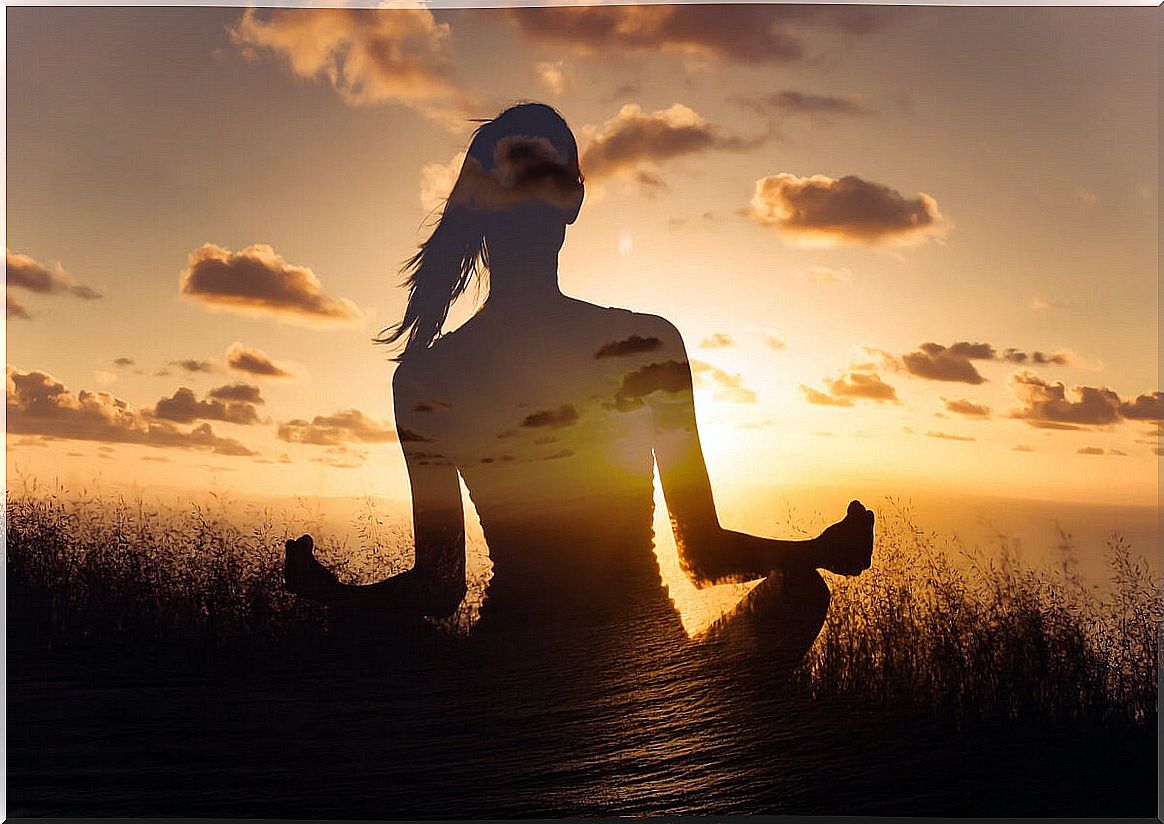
x=781, y=616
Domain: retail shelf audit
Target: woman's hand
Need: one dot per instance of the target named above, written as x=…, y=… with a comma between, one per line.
x=847, y=546
x=304, y=575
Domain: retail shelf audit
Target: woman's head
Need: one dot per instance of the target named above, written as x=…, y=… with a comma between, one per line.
x=519, y=187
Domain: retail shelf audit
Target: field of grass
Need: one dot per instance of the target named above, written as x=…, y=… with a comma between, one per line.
x=959, y=637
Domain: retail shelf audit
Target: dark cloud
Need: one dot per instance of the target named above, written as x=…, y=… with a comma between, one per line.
x=952, y=363
x=1096, y=450
x=38, y=404
x=1046, y=405
x=1022, y=447
x=123, y=362
x=431, y=406
x=29, y=274
x=628, y=346
x=670, y=377
x=1144, y=408
x=13, y=308
x=947, y=436
x=732, y=389
x=741, y=33
x=935, y=362
x=565, y=415
x=237, y=393
x=1037, y=358
x=369, y=56
x=967, y=408
x=790, y=102
x=820, y=210
x=633, y=139
x=184, y=407
x=345, y=426
x=258, y=281
x=254, y=362
x=859, y=382
x=193, y=365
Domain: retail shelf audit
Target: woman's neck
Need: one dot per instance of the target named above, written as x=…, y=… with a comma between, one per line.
x=531, y=275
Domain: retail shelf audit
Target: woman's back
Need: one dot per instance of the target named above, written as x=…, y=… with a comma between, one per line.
x=547, y=408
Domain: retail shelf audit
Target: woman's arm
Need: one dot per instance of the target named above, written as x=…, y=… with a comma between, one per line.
x=435, y=586
x=709, y=553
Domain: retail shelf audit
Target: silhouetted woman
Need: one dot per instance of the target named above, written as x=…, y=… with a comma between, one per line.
x=555, y=411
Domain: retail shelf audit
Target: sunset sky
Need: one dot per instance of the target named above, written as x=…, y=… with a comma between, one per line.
x=907, y=248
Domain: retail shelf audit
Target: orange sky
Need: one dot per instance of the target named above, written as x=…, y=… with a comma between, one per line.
x=907, y=247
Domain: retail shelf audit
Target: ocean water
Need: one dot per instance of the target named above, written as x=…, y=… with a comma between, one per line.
x=610, y=725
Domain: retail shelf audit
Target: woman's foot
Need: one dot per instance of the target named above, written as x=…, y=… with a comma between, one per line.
x=848, y=545
x=304, y=575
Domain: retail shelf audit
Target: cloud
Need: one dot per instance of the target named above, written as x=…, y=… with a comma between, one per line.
x=633, y=345
x=30, y=275
x=345, y=426
x=1047, y=406
x=826, y=275
x=1096, y=450
x=1039, y=304
x=773, y=342
x=38, y=404
x=1039, y=358
x=222, y=405
x=790, y=103
x=369, y=56
x=431, y=406
x=553, y=76
x=947, y=436
x=732, y=389
x=194, y=365
x=967, y=408
x=123, y=362
x=237, y=393
x=859, y=382
x=823, y=211
x=257, y=281
x=1144, y=408
x=740, y=33
x=255, y=362
x=13, y=308
x=633, y=140
x=565, y=415
x=1022, y=447
x=719, y=340
x=936, y=362
x=436, y=181
x=670, y=377
x=815, y=396
x=342, y=457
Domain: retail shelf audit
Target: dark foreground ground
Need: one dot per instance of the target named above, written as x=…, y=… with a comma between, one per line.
x=389, y=733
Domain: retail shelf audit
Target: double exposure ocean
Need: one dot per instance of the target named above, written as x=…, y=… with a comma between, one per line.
x=934, y=706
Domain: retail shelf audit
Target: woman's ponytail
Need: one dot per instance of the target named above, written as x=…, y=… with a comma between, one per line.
x=438, y=274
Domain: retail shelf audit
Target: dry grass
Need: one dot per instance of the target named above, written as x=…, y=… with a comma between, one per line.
x=971, y=635
x=967, y=637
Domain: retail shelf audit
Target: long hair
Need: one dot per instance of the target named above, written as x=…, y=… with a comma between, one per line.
x=526, y=152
